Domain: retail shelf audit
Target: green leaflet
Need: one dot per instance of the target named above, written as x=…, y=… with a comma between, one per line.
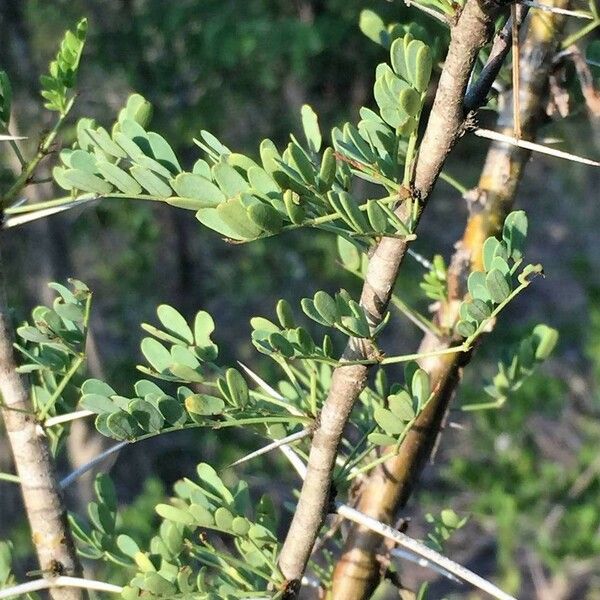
x=119, y=178
x=163, y=152
x=204, y=193
x=103, y=140
x=175, y=323
x=234, y=214
x=86, y=182
x=372, y=25
x=266, y=217
x=204, y=405
x=229, y=180
x=497, y=286
x=152, y=183
x=310, y=124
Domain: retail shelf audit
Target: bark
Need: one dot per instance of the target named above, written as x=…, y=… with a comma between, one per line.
x=46, y=512
x=389, y=486
x=444, y=127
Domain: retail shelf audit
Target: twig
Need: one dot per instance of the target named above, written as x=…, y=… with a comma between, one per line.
x=32, y=165
x=46, y=512
x=478, y=90
x=444, y=127
x=9, y=477
x=500, y=137
x=62, y=581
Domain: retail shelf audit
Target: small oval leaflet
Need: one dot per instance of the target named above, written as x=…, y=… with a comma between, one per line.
x=497, y=286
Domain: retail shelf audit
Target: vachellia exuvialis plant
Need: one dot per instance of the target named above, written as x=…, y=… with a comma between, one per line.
x=333, y=410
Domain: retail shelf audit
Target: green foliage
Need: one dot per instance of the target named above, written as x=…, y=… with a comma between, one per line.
x=53, y=350
x=97, y=540
x=5, y=99
x=63, y=70
x=306, y=185
x=58, y=333
x=189, y=360
x=443, y=526
x=491, y=288
x=341, y=312
x=519, y=365
x=243, y=200
x=171, y=566
x=434, y=282
x=188, y=350
x=6, y=576
x=396, y=415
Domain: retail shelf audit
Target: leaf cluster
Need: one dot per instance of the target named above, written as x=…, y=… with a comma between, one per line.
x=517, y=367
x=434, y=282
x=57, y=334
x=63, y=69
x=444, y=525
x=402, y=405
x=247, y=565
x=493, y=286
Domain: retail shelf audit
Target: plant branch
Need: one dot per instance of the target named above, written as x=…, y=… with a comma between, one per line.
x=46, y=511
x=32, y=165
x=390, y=485
x=444, y=127
x=479, y=89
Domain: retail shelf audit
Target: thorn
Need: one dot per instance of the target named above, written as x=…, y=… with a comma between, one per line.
x=294, y=437
x=269, y=390
x=500, y=137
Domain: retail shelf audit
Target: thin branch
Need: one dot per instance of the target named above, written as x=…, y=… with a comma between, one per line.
x=479, y=89
x=421, y=549
x=32, y=165
x=390, y=485
x=501, y=137
x=44, y=505
x=9, y=477
x=62, y=581
x=445, y=125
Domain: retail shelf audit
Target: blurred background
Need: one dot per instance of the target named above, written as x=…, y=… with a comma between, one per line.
x=527, y=475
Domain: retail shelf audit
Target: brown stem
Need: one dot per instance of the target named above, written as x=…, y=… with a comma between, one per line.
x=390, y=485
x=43, y=502
x=444, y=127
